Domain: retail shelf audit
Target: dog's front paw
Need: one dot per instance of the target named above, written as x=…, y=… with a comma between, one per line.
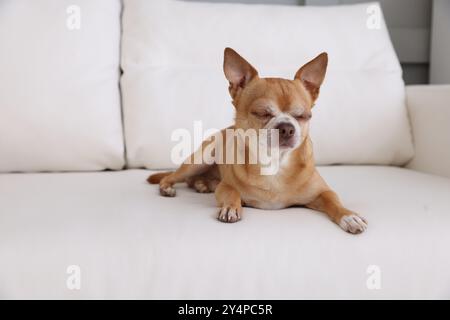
x=167, y=190
x=353, y=223
x=229, y=214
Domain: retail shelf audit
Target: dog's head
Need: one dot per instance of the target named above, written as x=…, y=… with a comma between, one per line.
x=274, y=103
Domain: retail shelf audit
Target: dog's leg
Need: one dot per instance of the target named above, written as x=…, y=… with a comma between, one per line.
x=329, y=203
x=229, y=202
x=184, y=172
x=206, y=182
x=199, y=184
x=189, y=169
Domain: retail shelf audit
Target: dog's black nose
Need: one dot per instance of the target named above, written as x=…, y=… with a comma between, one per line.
x=285, y=130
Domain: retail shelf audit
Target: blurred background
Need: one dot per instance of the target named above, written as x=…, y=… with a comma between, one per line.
x=419, y=29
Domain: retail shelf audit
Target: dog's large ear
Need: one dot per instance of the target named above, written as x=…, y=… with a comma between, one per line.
x=237, y=71
x=313, y=73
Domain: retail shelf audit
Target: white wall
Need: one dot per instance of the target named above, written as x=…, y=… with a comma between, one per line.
x=440, y=42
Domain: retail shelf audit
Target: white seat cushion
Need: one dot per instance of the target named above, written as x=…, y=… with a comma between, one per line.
x=59, y=93
x=172, y=56
x=132, y=243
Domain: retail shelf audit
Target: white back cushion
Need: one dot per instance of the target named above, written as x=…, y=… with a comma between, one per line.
x=172, y=55
x=59, y=92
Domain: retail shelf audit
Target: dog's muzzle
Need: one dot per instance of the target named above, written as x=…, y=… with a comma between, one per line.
x=286, y=134
x=289, y=131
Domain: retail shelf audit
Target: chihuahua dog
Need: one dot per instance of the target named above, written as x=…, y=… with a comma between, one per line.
x=273, y=104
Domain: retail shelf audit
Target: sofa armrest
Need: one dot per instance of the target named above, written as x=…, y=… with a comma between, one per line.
x=429, y=110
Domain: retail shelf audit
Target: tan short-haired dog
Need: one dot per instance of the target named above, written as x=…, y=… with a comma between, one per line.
x=268, y=103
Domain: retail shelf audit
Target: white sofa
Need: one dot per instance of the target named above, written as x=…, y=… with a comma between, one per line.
x=62, y=215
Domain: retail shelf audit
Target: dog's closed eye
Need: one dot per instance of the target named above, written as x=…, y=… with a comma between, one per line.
x=305, y=116
x=264, y=115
